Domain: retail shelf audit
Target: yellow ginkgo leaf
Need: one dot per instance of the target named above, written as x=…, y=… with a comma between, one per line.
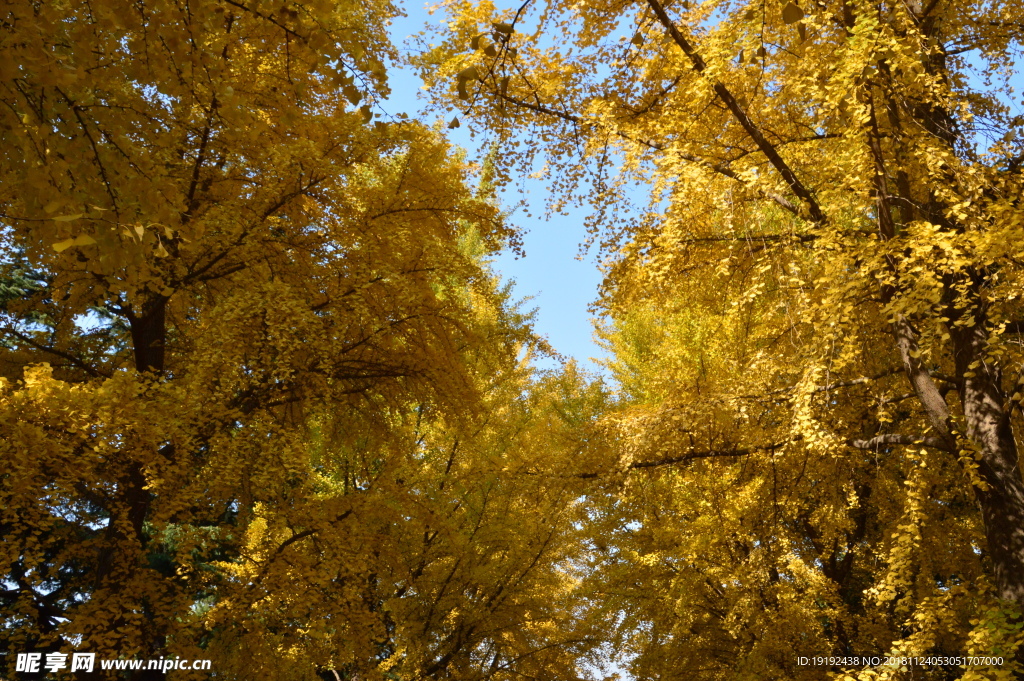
x=792, y=13
x=80, y=240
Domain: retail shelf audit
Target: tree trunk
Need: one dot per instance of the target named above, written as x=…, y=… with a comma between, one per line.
x=149, y=332
x=989, y=428
x=126, y=539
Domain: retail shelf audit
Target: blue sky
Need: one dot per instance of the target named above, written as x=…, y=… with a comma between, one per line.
x=562, y=284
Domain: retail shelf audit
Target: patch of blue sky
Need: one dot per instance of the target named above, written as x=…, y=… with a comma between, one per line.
x=558, y=275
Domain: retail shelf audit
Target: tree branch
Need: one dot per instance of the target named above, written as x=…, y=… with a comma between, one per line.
x=84, y=366
x=814, y=211
x=693, y=456
x=893, y=439
x=719, y=168
x=927, y=392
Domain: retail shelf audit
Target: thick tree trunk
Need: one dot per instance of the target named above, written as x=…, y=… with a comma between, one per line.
x=149, y=331
x=988, y=426
x=126, y=539
x=985, y=408
x=987, y=419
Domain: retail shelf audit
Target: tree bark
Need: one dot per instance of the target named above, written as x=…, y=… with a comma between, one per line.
x=989, y=428
x=149, y=332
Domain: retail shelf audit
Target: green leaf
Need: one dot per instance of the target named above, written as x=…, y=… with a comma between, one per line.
x=502, y=27
x=454, y=124
x=638, y=39
x=68, y=218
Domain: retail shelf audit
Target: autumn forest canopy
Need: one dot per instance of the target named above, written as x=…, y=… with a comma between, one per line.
x=265, y=402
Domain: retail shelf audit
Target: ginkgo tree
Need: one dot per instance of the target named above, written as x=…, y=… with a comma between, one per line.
x=734, y=551
x=248, y=344
x=849, y=175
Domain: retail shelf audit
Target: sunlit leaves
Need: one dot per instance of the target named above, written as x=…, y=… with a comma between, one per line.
x=80, y=240
x=243, y=331
x=810, y=220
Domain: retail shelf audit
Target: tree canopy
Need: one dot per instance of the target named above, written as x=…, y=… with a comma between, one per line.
x=263, y=401
x=248, y=345
x=814, y=316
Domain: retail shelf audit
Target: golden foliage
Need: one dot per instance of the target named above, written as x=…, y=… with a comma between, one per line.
x=814, y=319
x=259, y=394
